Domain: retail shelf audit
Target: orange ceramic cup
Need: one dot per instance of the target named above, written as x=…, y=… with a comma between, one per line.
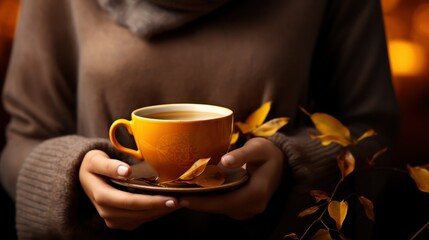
x=171, y=137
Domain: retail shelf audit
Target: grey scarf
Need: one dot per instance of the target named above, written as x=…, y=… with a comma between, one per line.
x=147, y=18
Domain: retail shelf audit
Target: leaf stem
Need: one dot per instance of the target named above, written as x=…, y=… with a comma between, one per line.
x=426, y=226
x=336, y=188
x=319, y=219
x=309, y=227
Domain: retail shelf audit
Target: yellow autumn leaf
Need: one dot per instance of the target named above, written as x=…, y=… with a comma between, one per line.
x=420, y=174
x=367, y=134
x=319, y=195
x=258, y=116
x=255, y=119
x=326, y=124
x=322, y=234
x=308, y=211
x=368, y=206
x=271, y=127
x=338, y=212
x=234, y=138
x=200, y=174
x=244, y=127
x=331, y=129
x=346, y=163
x=212, y=176
x=328, y=139
x=330, y=126
x=196, y=169
x=376, y=155
x=291, y=236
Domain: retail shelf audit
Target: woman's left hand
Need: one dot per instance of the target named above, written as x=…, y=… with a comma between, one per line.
x=264, y=163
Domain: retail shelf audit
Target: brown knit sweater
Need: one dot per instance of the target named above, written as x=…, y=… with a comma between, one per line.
x=77, y=65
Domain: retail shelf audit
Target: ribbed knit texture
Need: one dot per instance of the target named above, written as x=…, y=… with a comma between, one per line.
x=309, y=160
x=48, y=187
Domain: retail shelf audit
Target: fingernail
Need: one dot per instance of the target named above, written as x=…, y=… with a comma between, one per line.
x=122, y=170
x=170, y=203
x=184, y=203
x=228, y=159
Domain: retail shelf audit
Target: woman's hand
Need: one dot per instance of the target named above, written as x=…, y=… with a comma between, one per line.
x=119, y=209
x=264, y=163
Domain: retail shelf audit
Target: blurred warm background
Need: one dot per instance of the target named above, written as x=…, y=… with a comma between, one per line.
x=407, y=29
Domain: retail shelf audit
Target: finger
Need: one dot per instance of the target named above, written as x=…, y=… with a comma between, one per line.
x=243, y=203
x=108, y=196
x=238, y=207
x=140, y=202
x=254, y=149
x=98, y=162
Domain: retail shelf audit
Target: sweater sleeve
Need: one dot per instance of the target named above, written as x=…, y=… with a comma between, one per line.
x=311, y=164
x=40, y=86
x=48, y=197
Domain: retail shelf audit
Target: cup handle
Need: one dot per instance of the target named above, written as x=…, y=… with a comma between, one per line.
x=127, y=124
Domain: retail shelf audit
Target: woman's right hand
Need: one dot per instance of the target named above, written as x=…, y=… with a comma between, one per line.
x=119, y=209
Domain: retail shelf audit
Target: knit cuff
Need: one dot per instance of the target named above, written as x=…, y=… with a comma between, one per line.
x=48, y=186
x=311, y=164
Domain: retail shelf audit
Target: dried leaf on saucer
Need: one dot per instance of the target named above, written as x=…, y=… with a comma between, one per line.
x=196, y=169
x=200, y=174
x=212, y=176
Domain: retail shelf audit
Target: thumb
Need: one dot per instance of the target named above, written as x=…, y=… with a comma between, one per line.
x=253, y=149
x=98, y=162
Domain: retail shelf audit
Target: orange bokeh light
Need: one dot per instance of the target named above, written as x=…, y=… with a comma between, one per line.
x=421, y=20
x=406, y=58
x=395, y=27
x=9, y=15
x=389, y=5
